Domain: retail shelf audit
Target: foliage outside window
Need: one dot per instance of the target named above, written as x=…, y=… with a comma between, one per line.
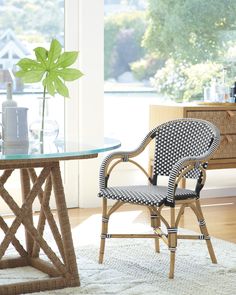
x=182, y=45
x=123, y=36
x=196, y=38
x=32, y=20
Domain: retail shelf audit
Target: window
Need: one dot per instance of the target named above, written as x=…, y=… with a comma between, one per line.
x=83, y=30
x=25, y=25
x=165, y=51
x=175, y=48
x=126, y=99
x=126, y=94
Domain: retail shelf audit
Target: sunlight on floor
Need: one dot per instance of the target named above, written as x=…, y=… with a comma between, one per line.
x=89, y=231
x=221, y=204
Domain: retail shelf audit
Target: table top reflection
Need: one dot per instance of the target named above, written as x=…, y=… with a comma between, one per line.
x=59, y=149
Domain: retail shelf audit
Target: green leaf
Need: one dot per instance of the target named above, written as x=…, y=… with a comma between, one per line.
x=49, y=85
x=67, y=59
x=69, y=74
x=54, y=51
x=27, y=63
x=61, y=88
x=32, y=76
x=19, y=74
x=41, y=55
x=50, y=68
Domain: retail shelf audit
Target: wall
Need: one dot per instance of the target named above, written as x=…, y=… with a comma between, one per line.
x=84, y=111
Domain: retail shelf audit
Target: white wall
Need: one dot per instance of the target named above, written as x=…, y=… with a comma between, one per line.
x=84, y=112
x=72, y=105
x=91, y=117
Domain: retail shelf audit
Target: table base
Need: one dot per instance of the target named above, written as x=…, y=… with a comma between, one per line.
x=61, y=268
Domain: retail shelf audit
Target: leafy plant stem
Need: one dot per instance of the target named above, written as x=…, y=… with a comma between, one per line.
x=43, y=114
x=52, y=68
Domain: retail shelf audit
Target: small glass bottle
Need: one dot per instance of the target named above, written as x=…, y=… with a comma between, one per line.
x=9, y=102
x=213, y=91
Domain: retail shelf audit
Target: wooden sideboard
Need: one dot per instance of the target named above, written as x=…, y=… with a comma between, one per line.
x=221, y=115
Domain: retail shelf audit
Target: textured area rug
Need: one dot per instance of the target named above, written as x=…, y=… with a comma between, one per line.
x=132, y=267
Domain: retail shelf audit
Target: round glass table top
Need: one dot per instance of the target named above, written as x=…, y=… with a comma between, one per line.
x=58, y=149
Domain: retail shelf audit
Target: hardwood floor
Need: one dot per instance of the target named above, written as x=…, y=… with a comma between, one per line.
x=220, y=215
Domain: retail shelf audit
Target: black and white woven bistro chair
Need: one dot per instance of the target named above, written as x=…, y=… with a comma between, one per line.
x=182, y=149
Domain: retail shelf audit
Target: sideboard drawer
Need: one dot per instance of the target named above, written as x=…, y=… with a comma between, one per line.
x=227, y=148
x=225, y=120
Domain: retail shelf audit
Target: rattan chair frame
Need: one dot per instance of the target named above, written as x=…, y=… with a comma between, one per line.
x=170, y=237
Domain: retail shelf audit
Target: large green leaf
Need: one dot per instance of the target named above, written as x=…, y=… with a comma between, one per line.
x=27, y=63
x=51, y=68
x=66, y=59
x=48, y=83
x=41, y=55
x=20, y=74
x=50, y=88
x=61, y=88
x=54, y=51
x=32, y=76
x=69, y=74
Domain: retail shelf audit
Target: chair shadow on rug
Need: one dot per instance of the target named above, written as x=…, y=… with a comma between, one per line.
x=182, y=149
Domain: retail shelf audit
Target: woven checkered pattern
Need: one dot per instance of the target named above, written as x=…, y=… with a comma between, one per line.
x=150, y=195
x=178, y=143
x=179, y=139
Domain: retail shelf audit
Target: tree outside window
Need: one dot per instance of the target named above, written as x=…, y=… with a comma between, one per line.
x=182, y=45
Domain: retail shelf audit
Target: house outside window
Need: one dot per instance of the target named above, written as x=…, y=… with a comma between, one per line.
x=25, y=25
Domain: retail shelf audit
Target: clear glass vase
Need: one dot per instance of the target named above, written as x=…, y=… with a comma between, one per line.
x=50, y=129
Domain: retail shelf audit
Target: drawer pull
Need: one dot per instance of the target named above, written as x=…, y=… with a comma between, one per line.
x=231, y=114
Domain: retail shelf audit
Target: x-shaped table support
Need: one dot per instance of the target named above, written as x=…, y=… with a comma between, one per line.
x=62, y=268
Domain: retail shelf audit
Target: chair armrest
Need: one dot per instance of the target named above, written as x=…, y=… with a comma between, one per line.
x=195, y=162
x=124, y=156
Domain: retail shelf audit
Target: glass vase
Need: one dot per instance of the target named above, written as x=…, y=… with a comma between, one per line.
x=50, y=129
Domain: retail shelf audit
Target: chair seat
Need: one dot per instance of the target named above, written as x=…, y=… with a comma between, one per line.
x=151, y=195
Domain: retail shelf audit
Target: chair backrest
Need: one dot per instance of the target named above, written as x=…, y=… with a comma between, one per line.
x=181, y=138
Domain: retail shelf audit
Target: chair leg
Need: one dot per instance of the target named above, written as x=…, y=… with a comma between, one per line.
x=172, y=242
x=155, y=223
x=104, y=231
x=157, y=240
x=172, y=264
x=204, y=231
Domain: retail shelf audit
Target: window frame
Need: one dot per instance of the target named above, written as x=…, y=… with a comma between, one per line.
x=84, y=31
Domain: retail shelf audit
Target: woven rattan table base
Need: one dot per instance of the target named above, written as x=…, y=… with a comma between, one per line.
x=62, y=268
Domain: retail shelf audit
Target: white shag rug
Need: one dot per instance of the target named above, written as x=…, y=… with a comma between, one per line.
x=132, y=267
